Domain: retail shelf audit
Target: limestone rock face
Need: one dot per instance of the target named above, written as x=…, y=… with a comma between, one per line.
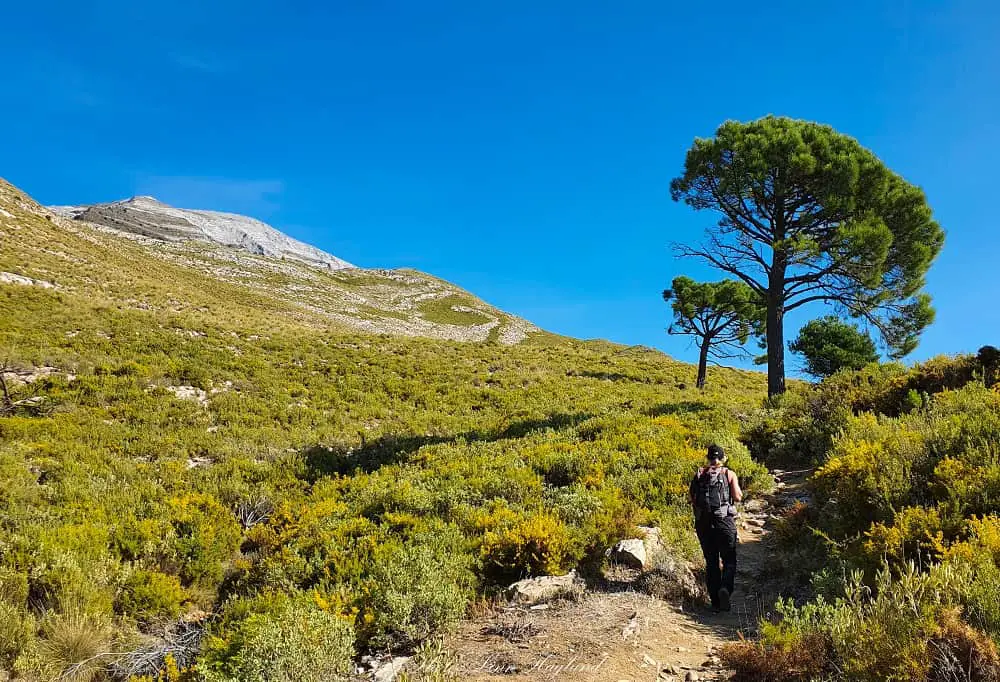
x=252, y=255
x=151, y=218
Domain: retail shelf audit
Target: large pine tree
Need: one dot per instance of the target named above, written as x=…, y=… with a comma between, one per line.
x=809, y=215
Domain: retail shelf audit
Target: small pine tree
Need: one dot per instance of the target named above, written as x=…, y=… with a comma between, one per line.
x=721, y=315
x=829, y=345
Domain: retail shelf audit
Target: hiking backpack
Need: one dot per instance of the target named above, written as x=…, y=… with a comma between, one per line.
x=712, y=493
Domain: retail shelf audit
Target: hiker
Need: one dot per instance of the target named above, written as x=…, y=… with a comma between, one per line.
x=715, y=490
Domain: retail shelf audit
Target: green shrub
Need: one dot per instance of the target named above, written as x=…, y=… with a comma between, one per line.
x=799, y=427
x=868, y=474
x=797, y=647
x=17, y=630
x=62, y=580
x=981, y=596
x=291, y=641
x=206, y=536
x=866, y=636
x=908, y=488
x=417, y=590
x=150, y=596
x=918, y=534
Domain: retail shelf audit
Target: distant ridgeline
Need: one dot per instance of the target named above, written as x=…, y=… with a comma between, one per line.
x=145, y=255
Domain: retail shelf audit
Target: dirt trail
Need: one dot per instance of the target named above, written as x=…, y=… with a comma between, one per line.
x=628, y=635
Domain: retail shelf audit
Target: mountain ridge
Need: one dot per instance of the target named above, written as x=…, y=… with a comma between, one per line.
x=137, y=268
x=150, y=217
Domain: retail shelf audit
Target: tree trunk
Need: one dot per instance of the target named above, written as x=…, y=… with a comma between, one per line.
x=776, y=329
x=775, y=348
x=706, y=342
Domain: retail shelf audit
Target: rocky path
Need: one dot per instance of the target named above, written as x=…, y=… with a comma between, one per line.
x=628, y=635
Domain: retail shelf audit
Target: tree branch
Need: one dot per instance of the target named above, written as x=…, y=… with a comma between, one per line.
x=688, y=252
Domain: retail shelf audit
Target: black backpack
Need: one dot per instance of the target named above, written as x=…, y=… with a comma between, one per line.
x=712, y=496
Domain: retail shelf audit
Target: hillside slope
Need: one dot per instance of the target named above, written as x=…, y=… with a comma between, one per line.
x=202, y=460
x=216, y=281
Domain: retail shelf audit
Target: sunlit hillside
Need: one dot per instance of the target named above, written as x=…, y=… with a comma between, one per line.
x=217, y=284
x=205, y=453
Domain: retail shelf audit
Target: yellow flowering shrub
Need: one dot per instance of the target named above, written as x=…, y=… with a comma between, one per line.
x=536, y=545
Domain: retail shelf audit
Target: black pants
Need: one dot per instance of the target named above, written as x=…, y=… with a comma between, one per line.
x=718, y=542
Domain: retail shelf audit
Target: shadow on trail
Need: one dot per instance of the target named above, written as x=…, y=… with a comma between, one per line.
x=370, y=455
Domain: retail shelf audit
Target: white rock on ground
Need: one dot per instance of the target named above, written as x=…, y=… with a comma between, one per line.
x=387, y=671
x=189, y=393
x=544, y=588
x=29, y=376
x=671, y=579
x=652, y=542
x=11, y=278
x=631, y=553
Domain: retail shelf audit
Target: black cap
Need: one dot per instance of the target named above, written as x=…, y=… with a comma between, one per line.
x=716, y=452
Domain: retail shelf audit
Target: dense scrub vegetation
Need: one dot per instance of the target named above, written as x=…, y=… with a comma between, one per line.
x=904, y=529
x=198, y=488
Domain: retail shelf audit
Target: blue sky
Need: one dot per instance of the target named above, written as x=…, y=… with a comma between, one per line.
x=520, y=149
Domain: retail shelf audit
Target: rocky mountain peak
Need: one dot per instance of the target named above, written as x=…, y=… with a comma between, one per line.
x=150, y=217
x=144, y=199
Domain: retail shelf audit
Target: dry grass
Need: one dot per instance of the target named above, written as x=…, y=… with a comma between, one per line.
x=960, y=653
x=76, y=648
x=513, y=627
x=805, y=661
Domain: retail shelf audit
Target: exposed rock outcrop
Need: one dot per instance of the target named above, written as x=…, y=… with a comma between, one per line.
x=545, y=588
x=151, y=218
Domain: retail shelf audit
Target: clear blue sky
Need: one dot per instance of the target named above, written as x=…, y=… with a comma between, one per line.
x=520, y=149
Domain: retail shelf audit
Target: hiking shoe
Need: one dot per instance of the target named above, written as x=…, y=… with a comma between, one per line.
x=724, y=599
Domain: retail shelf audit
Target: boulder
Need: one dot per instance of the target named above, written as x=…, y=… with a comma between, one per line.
x=671, y=580
x=637, y=553
x=652, y=542
x=545, y=588
x=631, y=553
x=755, y=505
x=386, y=672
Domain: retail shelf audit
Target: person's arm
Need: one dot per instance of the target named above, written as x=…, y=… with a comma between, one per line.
x=693, y=490
x=734, y=487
